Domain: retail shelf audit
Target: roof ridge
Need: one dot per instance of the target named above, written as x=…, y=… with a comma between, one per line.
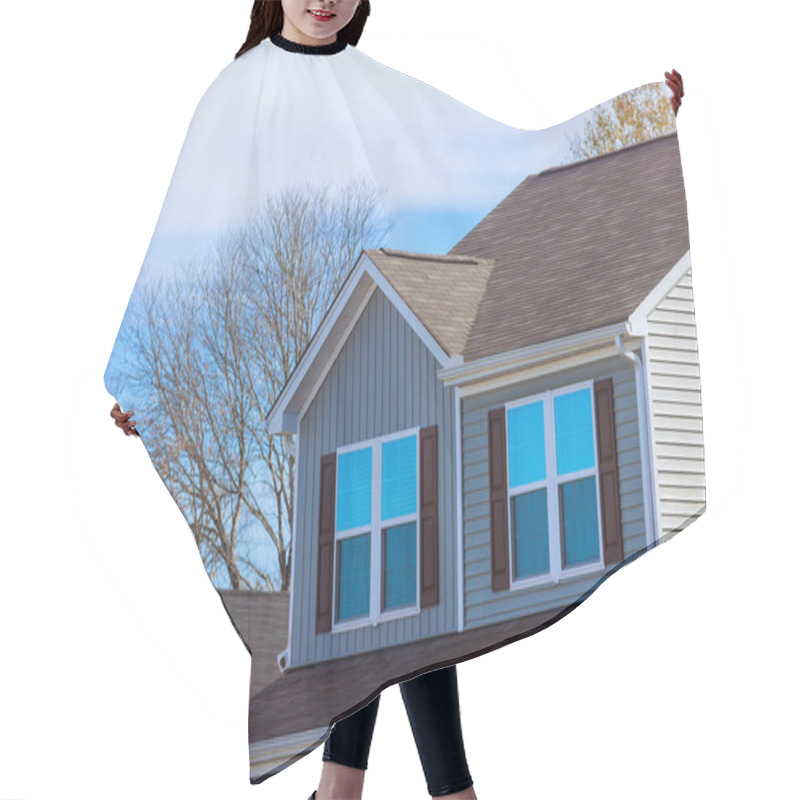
x=581, y=161
x=388, y=251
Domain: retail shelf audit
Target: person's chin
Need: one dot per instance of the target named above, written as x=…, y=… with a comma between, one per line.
x=314, y=32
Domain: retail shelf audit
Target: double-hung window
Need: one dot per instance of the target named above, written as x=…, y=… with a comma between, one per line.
x=376, y=552
x=554, y=504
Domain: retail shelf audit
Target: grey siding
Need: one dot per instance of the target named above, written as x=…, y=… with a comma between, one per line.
x=482, y=605
x=382, y=381
x=673, y=373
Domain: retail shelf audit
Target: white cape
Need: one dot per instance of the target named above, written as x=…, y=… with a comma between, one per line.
x=274, y=120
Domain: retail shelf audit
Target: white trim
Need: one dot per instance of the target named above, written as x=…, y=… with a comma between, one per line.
x=645, y=442
x=539, y=370
x=638, y=319
x=285, y=656
x=277, y=421
x=349, y=533
x=460, y=554
x=551, y=483
x=497, y=366
x=334, y=355
x=375, y=530
x=408, y=315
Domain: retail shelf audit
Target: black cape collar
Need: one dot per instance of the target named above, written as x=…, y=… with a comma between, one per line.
x=308, y=49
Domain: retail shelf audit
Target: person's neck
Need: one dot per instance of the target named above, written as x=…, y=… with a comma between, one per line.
x=294, y=34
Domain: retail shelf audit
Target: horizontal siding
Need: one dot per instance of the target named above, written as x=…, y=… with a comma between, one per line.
x=673, y=372
x=382, y=381
x=482, y=605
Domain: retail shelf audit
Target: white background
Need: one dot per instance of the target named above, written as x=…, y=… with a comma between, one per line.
x=121, y=675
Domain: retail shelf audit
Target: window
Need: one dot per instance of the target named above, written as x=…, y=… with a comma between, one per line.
x=554, y=506
x=376, y=552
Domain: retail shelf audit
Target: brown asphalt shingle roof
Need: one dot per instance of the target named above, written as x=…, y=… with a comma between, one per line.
x=444, y=292
x=570, y=249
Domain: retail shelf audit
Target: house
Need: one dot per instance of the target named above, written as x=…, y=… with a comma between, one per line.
x=487, y=434
x=261, y=620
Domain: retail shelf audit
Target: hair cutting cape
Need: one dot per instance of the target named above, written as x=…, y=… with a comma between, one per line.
x=418, y=381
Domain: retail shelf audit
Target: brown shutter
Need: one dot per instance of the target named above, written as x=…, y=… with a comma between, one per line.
x=607, y=470
x=325, y=541
x=498, y=499
x=429, y=517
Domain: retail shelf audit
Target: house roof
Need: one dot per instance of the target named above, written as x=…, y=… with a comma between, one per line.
x=572, y=249
x=577, y=247
x=262, y=621
x=444, y=292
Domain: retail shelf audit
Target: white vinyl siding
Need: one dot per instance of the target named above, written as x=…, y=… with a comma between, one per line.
x=673, y=373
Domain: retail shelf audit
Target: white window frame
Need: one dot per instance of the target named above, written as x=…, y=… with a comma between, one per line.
x=551, y=483
x=375, y=529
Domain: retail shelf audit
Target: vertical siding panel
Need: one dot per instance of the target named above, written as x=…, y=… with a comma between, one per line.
x=409, y=406
x=362, y=356
x=420, y=383
x=341, y=405
x=393, y=360
x=351, y=393
x=383, y=380
x=373, y=397
x=386, y=366
x=355, y=395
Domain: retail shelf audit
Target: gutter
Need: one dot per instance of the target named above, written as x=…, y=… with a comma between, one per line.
x=499, y=365
x=645, y=443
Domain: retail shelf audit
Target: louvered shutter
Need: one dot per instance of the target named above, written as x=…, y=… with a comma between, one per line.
x=498, y=499
x=607, y=470
x=429, y=516
x=325, y=542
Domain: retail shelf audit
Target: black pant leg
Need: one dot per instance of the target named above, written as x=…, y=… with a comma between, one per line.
x=351, y=737
x=433, y=710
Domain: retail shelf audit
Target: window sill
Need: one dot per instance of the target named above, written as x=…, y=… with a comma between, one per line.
x=566, y=576
x=366, y=622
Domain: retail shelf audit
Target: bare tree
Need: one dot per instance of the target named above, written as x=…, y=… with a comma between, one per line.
x=635, y=116
x=215, y=348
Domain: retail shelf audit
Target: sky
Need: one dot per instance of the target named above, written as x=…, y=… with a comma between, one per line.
x=121, y=673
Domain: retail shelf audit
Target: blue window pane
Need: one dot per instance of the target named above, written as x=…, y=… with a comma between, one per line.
x=531, y=548
x=526, y=453
x=354, y=489
x=574, y=432
x=400, y=566
x=353, y=577
x=399, y=477
x=579, y=531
